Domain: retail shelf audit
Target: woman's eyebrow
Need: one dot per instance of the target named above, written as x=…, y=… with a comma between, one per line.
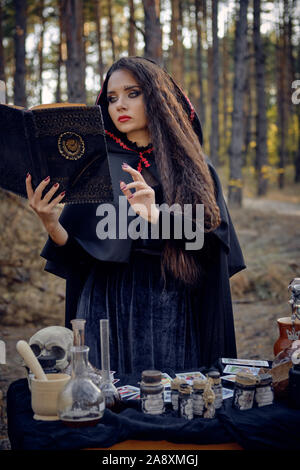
x=126, y=87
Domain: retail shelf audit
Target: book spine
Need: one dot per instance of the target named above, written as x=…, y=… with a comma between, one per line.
x=39, y=165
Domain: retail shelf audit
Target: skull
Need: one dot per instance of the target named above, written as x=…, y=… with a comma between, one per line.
x=53, y=341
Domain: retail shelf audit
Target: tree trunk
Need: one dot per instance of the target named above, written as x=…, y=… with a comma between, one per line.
x=214, y=133
x=153, y=32
x=20, y=98
x=225, y=68
x=111, y=30
x=2, y=62
x=282, y=114
x=236, y=146
x=73, y=27
x=98, y=16
x=290, y=47
x=297, y=156
x=261, y=160
x=131, y=32
x=248, y=109
x=292, y=56
x=60, y=55
x=199, y=58
x=41, y=48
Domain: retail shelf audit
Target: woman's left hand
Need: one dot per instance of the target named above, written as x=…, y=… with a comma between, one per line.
x=143, y=200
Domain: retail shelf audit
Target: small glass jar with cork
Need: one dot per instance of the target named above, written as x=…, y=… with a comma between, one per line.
x=244, y=391
x=185, y=402
x=175, y=384
x=198, y=399
x=264, y=394
x=217, y=387
x=152, y=392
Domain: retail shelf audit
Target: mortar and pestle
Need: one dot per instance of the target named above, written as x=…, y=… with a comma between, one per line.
x=45, y=388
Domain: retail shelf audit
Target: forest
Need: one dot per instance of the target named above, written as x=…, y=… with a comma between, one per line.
x=238, y=61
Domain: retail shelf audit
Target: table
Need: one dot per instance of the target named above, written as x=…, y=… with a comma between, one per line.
x=272, y=427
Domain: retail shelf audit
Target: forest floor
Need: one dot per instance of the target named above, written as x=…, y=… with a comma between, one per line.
x=268, y=229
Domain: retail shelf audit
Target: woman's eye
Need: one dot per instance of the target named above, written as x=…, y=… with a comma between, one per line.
x=131, y=94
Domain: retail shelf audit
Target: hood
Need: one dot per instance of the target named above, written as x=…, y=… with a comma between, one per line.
x=111, y=129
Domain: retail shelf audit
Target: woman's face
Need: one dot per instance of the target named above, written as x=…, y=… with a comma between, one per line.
x=126, y=106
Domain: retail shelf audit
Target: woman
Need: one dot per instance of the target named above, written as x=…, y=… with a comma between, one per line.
x=168, y=307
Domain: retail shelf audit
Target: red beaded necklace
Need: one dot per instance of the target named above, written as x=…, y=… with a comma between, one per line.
x=141, y=154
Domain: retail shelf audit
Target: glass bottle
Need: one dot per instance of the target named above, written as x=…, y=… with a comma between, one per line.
x=175, y=384
x=152, y=392
x=185, y=403
x=217, y=388
x=264, y=393
x=78, y=326
x=81, y=402
x=110, y=393
x=244, y=391
x=198, y=400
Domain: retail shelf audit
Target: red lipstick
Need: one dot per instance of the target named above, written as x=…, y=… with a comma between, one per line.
x=124, y=118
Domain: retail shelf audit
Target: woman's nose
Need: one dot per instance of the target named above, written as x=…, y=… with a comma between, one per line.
x=121, y=104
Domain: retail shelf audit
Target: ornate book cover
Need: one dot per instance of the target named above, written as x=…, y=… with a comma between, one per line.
x=64, y=141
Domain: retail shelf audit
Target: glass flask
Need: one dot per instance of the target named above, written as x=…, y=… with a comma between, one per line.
x=78, y=326
x=81, y=402
x=111, y=394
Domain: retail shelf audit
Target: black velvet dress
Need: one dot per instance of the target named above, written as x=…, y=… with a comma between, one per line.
x=152, y=324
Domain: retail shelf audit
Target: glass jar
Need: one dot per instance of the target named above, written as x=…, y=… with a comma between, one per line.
x=244, y=390
x=175, y=384
x=185, y=401
x=216, y=387
x=81, y=402
x=152, y=392
x=264, y=394
x=198, y=400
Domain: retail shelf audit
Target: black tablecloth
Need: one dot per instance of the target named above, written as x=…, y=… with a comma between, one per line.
x=272, y=427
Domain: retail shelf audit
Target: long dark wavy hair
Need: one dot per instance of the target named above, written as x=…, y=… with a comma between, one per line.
x=179, y=157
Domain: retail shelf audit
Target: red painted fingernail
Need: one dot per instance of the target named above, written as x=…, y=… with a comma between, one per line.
x=124, y=187
x=129, y=197
x=63, y=193
x=55, y=185
x=28, y=174
x=46, y=179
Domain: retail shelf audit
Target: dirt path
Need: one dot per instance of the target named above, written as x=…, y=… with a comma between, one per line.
x=267, y=205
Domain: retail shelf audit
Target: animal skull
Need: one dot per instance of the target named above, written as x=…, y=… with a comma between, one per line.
x=55, y=341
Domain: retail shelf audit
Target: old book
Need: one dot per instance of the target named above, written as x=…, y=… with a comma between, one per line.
x=63, y=141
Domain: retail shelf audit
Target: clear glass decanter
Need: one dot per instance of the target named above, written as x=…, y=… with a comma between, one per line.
x=78, y=326
x=111, y=394
x=81, y=402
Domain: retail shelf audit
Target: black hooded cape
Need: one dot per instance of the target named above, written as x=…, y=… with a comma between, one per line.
x=83, y=249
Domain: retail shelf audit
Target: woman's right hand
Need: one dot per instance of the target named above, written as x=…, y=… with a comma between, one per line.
x=45, y=210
